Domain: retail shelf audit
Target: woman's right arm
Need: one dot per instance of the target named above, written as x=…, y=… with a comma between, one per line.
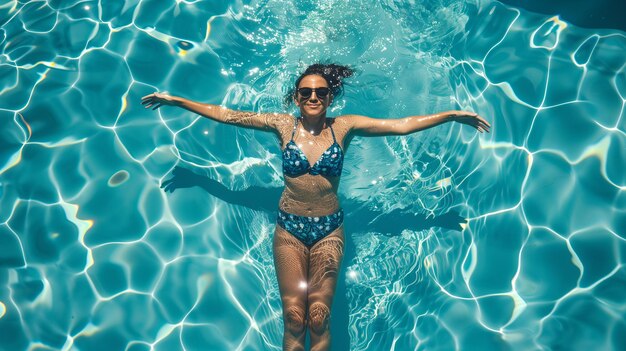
x=262, y=121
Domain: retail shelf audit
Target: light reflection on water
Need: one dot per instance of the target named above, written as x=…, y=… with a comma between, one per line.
x=94, y=255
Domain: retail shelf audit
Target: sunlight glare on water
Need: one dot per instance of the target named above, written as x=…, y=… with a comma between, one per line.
x=94, y=255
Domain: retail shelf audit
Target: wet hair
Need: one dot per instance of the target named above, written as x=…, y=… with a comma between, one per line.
x=333, y=74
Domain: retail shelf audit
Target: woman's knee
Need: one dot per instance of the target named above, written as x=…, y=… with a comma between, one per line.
x=319, y=317
x=295, y=320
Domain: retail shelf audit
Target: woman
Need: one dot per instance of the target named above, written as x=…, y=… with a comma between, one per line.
x=309, y=238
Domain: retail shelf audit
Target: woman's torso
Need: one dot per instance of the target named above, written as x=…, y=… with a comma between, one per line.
x=308, y=194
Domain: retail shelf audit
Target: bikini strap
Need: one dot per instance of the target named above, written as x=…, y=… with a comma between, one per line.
x=294, y=129
x=295, y=126
x=331, y=130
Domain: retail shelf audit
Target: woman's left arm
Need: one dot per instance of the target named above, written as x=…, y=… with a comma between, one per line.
x=366, y=126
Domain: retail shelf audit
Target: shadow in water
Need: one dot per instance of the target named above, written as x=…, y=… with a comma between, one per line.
x=359, y=219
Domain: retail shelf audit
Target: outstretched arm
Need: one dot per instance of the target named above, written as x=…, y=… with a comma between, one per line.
x=366, y=126
x=263, y=121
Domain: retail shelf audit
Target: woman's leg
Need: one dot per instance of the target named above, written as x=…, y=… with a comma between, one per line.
x=291, y=259
x=325, y=259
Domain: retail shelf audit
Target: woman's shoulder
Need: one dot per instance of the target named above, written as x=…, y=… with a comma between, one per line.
x=345, y=120
x=342, y=118
x=341, y=124
x=281, y=122
x=280, y=119
x=281, y=116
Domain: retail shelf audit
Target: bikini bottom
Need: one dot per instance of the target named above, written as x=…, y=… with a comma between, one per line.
x=310, y=230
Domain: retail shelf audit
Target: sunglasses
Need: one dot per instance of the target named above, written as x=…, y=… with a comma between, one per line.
x=319, y=92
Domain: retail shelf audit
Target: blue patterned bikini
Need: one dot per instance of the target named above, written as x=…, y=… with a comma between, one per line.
x=310, y=230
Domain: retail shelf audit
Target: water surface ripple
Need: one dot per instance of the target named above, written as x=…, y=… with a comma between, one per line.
x=94, y=255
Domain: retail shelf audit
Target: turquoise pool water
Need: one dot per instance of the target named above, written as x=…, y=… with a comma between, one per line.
x=94, y=255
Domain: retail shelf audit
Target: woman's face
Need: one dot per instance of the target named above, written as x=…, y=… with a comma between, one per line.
x=313, y=102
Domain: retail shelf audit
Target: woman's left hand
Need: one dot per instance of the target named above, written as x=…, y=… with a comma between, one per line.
x=471, y=119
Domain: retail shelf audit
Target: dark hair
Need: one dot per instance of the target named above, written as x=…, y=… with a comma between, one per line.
x=332, y=73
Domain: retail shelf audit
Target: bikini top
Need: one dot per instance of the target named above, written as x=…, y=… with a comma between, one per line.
x=295, y=162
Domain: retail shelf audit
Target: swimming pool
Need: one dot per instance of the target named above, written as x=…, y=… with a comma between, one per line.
x=94, y=255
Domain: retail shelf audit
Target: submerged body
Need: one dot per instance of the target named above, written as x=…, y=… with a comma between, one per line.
x=309, y=240
x=302, y=178
x=308, y=243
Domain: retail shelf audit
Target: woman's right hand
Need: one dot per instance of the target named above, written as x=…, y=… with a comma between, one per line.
x=471, y=119
x=156, y=100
